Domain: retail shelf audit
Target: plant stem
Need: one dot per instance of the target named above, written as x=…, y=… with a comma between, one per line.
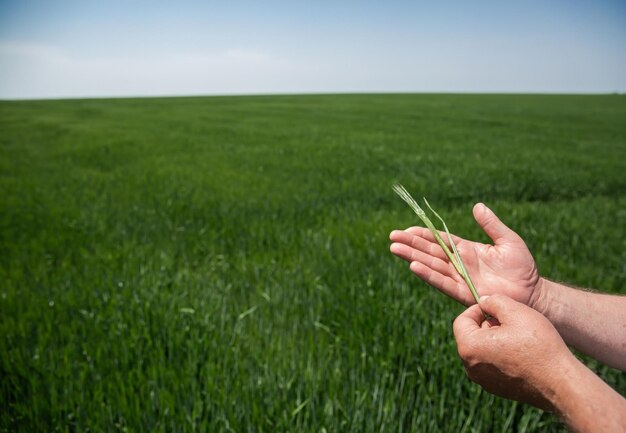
x=454, y=256
x=463, y=272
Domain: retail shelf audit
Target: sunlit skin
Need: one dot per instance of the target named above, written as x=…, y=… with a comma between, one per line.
x=491, y=353
x=506, y=267
x=520, y=353
x=594, y=323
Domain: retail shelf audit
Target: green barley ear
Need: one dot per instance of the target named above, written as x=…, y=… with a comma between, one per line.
x=453, y=255
x=404, y=195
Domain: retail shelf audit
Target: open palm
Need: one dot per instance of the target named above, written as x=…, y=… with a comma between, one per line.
x=507, y=267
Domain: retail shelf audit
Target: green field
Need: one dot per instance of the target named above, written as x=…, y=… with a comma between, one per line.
x=221, y=264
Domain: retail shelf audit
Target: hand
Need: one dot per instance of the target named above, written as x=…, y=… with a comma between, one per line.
x=519, y=355
x=507, y=267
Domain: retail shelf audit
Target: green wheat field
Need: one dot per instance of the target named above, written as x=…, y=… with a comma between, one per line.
x=221, y=264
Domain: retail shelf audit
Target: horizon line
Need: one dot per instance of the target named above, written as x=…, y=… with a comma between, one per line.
x=279, y=94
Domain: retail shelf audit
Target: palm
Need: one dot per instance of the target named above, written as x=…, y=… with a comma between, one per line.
x=505, y=268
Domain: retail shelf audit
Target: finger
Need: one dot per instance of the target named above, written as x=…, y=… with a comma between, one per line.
x=428, y=235
x=467, y=322
x=412, y=255
x=441, y=282
x=500, y=307
x=491, y=224
x=419, y=243
x=490, y=323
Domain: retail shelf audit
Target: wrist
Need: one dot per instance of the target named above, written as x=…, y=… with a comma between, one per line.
x=549, y=299
x=539, y=299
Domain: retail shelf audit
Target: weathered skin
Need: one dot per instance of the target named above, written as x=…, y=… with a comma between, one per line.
x=521, y=353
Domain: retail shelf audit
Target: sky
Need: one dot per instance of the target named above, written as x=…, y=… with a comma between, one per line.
x=86, y=48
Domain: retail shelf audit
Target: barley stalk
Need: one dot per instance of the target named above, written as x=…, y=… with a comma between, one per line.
x=454, y=256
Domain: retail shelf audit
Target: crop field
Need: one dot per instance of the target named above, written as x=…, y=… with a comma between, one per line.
x=221, y=264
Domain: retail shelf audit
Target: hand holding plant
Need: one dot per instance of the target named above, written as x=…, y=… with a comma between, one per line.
x=512, y=341
x=506, y=267
x=522, y=357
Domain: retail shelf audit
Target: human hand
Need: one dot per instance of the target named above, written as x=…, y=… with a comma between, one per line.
x=517, y=354
x=507, y=267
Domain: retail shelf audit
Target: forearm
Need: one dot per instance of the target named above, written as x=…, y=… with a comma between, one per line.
x=585, y=403
x=593, y=323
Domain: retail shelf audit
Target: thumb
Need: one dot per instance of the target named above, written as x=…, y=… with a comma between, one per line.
x=495, y=229
x=499, y=306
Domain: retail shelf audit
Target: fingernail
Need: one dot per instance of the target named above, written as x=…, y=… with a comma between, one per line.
x=482, y=298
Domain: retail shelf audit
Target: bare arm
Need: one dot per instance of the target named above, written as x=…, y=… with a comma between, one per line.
x=544, y=373
x=594, y=323
x=591, y=322
x=585, y=403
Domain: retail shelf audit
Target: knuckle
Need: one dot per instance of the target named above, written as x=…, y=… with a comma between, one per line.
x=455, y=326
x=457, y=330
x=469, y=354
x=496, y=297
x=466, y=353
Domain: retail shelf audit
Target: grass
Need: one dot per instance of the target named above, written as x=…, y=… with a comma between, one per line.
x=221, y=264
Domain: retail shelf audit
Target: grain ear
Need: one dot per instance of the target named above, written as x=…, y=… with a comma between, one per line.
x=454, y=256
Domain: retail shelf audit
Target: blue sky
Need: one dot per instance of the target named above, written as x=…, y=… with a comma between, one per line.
x=70, y=48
